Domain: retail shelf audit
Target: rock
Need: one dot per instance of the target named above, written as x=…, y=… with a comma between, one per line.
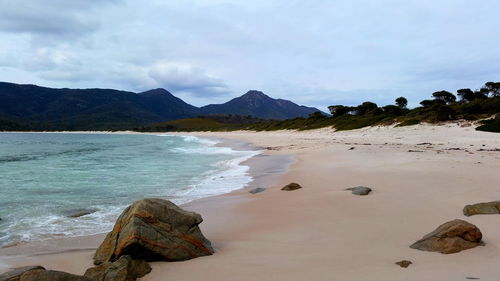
x=153, y=230
x=38, y=273
x=291, y=186
x=51, y=275
x=257, y=190
x=451, y=237
x=404, y=263
x=482, y=208
x=15, y=274
x=360, y=190
x=79, y=213
x=124, y=269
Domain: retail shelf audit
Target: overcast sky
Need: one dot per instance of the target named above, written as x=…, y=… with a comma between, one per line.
x=316, y=53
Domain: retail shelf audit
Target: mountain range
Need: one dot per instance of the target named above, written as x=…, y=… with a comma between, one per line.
x=31, y=107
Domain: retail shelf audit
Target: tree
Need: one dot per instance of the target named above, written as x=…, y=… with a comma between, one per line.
x=339, y=110
x=402, y=102
x=430, y=103
x=493, y=88
x=466, y=94
x=393, y=109
x=445, y=96
x=316, y=115
x=365, y=108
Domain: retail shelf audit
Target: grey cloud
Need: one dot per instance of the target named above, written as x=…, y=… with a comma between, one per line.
x=55, y=18
x=319, y=52
x=186, y=78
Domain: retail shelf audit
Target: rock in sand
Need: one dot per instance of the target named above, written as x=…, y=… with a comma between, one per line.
x=38, y=273
x=360, y=190
x=154, y=230
x=451, y=237
x=124, y=269
x=404, y=263
x=15, y=274
x=482, y=208
x=291, y=186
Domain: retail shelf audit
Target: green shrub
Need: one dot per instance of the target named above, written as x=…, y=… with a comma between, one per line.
x=492, y=125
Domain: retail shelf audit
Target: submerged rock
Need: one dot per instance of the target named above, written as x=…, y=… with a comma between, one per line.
x=79, y=213
x=124, y=269
x=291, y=186
x=482, y=208
x=152, y=230
x=451, y=237
x=360, y=190
x=257, y=190
x=404, y=263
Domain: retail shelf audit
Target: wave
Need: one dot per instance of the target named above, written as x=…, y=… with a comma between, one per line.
x=221, y=176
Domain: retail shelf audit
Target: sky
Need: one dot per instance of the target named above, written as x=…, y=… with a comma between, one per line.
x=315, y=53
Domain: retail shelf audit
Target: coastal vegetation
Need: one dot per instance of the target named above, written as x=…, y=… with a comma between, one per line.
x=33, y=108
x=442, y=107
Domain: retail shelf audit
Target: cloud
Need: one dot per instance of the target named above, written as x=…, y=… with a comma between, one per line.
x=317, y=53
x=186, y=78
x=53, y=18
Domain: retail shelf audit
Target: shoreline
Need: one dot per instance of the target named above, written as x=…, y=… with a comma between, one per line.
x=421, y=176
x=16, y=254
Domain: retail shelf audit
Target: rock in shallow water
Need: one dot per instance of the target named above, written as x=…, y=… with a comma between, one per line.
x=154, y=230
x=79, y=213
x=257, y=190
x=291, y=186
x=124, y=269
x=482, y=208
x=360, y=190
x=451, y=237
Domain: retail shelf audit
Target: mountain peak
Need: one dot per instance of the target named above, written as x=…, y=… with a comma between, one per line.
x=256, y=103
x=157, y=91
x=255, y=94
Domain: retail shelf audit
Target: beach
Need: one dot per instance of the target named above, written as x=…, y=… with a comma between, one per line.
x=421, y=176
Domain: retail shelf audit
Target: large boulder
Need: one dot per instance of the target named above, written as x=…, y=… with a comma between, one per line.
x=153, y=230
x=124, y=269
x=451, y=237
x=291, y=186
x=360, y=190
x=482, y=208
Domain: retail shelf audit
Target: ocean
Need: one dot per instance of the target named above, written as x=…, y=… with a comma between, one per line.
x=45, y=178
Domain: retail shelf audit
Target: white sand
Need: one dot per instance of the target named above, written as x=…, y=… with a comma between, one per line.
x=322, y=232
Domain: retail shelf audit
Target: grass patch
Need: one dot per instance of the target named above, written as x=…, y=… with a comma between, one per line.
x=409, y=122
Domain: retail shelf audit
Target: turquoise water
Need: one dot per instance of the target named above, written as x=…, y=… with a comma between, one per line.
x=46, y=177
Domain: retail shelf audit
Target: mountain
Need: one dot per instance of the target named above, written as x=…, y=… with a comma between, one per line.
x=31, y=107
x=256, y=103
x=86, y=109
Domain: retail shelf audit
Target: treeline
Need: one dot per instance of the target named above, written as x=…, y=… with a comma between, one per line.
x=443, y=106
x=211, y=122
